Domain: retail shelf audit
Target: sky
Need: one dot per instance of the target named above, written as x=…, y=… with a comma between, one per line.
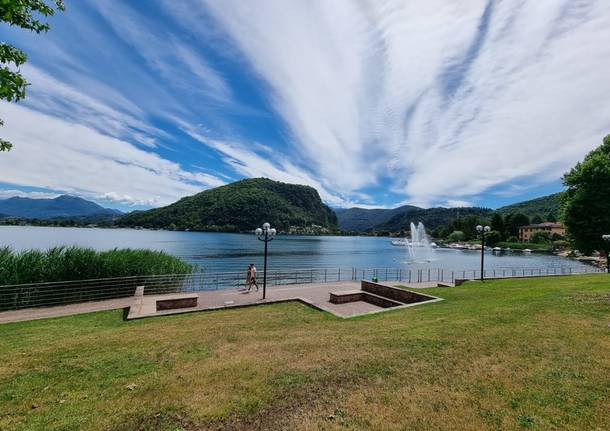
x=134, y=104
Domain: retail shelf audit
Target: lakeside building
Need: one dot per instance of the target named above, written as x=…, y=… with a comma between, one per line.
x=526, y=232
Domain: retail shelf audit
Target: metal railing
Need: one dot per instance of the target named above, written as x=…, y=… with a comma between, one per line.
x=13, y=297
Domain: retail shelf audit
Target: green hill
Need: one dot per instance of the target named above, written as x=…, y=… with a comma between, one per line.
x=238, y=207
x=361, y=219
x=540, y=206
x=430, y=217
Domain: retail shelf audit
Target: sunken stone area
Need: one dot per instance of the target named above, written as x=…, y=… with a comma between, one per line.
x=379, y=295
x=360, y=295
x=394, y=293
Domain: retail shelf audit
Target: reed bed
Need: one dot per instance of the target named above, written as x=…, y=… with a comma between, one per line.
x=78, y=263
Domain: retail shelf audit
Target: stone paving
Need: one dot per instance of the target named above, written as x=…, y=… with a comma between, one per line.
x=140, y=306
x=63, y=310
x=316, y=295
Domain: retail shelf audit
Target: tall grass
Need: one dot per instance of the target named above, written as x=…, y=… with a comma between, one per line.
x=77, y=263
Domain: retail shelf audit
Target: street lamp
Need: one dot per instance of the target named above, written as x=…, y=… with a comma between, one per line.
x=482, y=230
x=265, y=234
x=606, y=239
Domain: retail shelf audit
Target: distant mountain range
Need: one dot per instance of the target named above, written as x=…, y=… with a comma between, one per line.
x=360, y=219
x=363, y=220
x=58, y=208
x=240, y=206
x=393, y=220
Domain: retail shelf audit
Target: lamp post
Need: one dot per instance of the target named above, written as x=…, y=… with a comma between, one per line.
x=265, y=234
x=483, y=230
x=606, y=239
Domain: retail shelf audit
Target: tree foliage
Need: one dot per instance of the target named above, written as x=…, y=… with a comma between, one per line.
x=546, y=205
x=492, y=238
x=497, y=224
x=585, y=204
x=540, y=237
x=513, y=222
x=25, y=14
x=456, y=235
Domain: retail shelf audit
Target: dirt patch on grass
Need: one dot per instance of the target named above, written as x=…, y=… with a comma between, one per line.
x=591, y=298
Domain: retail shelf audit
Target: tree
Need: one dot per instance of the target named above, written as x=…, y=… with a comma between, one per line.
x=467, y=225
x=456, y=235
x=21, y=13
x=492, y=238
x=540, y=237
x=537, y=219
x=514, y=222
x=497, y=224
x=585, y=208
x=551, y=217
x=439, y=232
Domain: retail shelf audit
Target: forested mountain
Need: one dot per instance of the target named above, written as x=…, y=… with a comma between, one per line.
x=240, y=206
x=397, y=219
x=393, y=220
x=543, y=207
x=61, y=207
x=360, y=219
x=431, y=217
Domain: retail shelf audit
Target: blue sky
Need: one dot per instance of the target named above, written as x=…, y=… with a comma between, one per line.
x=134, y=104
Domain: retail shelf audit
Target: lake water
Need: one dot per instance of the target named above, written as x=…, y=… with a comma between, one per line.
x=233, y=252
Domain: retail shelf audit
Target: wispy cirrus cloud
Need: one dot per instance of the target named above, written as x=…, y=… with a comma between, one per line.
x=372, y=102
x=76, y=159
x=454, y=98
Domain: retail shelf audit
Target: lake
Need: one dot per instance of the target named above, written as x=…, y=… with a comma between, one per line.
x=233, y=252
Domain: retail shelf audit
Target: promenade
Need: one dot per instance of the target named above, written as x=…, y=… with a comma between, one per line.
x=141, y=306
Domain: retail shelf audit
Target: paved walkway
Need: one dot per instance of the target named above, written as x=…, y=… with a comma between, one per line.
x=63, y=310
x=316, y=295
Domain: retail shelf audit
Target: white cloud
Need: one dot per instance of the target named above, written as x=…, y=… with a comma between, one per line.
x=251, y=164
x=456, y=203
x=122, y=119
x=176, y=61
x=448, y=100
x=72, y=158
x=5, y=194
x=128, y=200
x=436, y=100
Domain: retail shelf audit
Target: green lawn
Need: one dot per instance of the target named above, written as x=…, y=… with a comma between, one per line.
x=507, y=354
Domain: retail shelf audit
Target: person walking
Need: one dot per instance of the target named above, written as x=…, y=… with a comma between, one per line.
x=253, y=277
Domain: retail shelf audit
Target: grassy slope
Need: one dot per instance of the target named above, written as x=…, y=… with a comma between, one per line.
x=508, y=354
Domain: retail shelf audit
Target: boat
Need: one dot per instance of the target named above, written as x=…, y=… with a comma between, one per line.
x=400, y=242
x=526, y=250
x=497, y=249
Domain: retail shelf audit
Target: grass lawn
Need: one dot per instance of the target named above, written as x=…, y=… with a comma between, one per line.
x=506, y=354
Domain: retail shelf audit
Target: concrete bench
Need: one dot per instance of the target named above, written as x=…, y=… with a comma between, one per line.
x=179, y=300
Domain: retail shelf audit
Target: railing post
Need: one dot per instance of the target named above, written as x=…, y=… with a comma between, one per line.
x=339, y=274
x=400, y=275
